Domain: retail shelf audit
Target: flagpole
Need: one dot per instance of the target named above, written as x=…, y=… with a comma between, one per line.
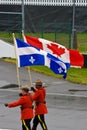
x=29, y=73
x=17, y=69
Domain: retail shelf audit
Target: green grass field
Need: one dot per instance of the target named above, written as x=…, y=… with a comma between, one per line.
x=75, y=75
x=62, y=38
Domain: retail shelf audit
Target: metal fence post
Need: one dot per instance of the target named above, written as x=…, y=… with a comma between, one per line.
x=73, y=23
x=8, y=24
x=55, y=30
x=23, y=21
x=42, y=27
x=70, y=32
x=75, y=39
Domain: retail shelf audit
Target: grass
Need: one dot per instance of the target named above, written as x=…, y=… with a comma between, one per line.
x=61, y=38
x=82, y=42
x=75, y=75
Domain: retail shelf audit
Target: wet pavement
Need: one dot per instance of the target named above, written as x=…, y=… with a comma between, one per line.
x=64, y=114
x=67, y=109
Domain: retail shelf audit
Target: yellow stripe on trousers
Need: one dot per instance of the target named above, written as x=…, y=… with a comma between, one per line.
x=24, y=123
x=41, y=122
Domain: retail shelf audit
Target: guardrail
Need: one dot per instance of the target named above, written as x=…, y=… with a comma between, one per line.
x=45, y=2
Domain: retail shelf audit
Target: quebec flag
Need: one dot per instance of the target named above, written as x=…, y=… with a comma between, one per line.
x=28, y=55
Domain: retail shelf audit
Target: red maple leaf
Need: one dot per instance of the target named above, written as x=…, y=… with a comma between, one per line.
x=56, y=49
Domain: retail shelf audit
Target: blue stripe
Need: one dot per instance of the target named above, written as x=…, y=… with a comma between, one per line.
x=57, y=59
x=22, y=44
x=55, y=67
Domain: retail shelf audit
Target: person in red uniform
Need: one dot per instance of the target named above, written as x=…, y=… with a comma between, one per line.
x=40, y=105
x=25, y=103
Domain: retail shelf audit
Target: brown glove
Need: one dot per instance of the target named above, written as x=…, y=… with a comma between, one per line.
x=20, y=94
x=6, y=104
x=33, y=89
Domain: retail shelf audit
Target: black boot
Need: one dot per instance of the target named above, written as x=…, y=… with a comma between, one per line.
x=33, y=128
x=45, y=128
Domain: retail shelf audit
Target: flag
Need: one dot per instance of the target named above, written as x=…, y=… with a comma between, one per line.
x=28, y=55
x=74, y=57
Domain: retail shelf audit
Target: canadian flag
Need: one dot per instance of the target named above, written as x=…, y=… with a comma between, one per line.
x=74, y=57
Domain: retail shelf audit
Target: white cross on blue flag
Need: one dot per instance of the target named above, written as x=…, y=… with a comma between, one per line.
x=30, y=56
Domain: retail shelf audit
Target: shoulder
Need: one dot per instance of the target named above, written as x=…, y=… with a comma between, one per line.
x=44, y=89
x=30, y=95
x=22, y=98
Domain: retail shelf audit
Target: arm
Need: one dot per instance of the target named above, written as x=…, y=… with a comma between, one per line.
x=16, y=103
x=35, y=96
x=33, y=89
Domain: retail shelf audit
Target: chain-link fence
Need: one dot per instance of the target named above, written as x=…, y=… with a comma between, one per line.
x=54, y=31
x=51, y=23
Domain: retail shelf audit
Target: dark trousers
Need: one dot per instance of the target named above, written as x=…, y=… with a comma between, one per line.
x=39, y=119
x=26, y=124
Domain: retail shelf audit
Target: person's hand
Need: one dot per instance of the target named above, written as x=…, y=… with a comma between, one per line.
x=6, y=104
x=33, y=89
x=20, y=94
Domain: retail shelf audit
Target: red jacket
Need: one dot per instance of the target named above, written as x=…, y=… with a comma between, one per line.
x=39, y=98
x=25, y=103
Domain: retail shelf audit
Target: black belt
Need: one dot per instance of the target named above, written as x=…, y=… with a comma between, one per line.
x=22, y=108
x=37, y=103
